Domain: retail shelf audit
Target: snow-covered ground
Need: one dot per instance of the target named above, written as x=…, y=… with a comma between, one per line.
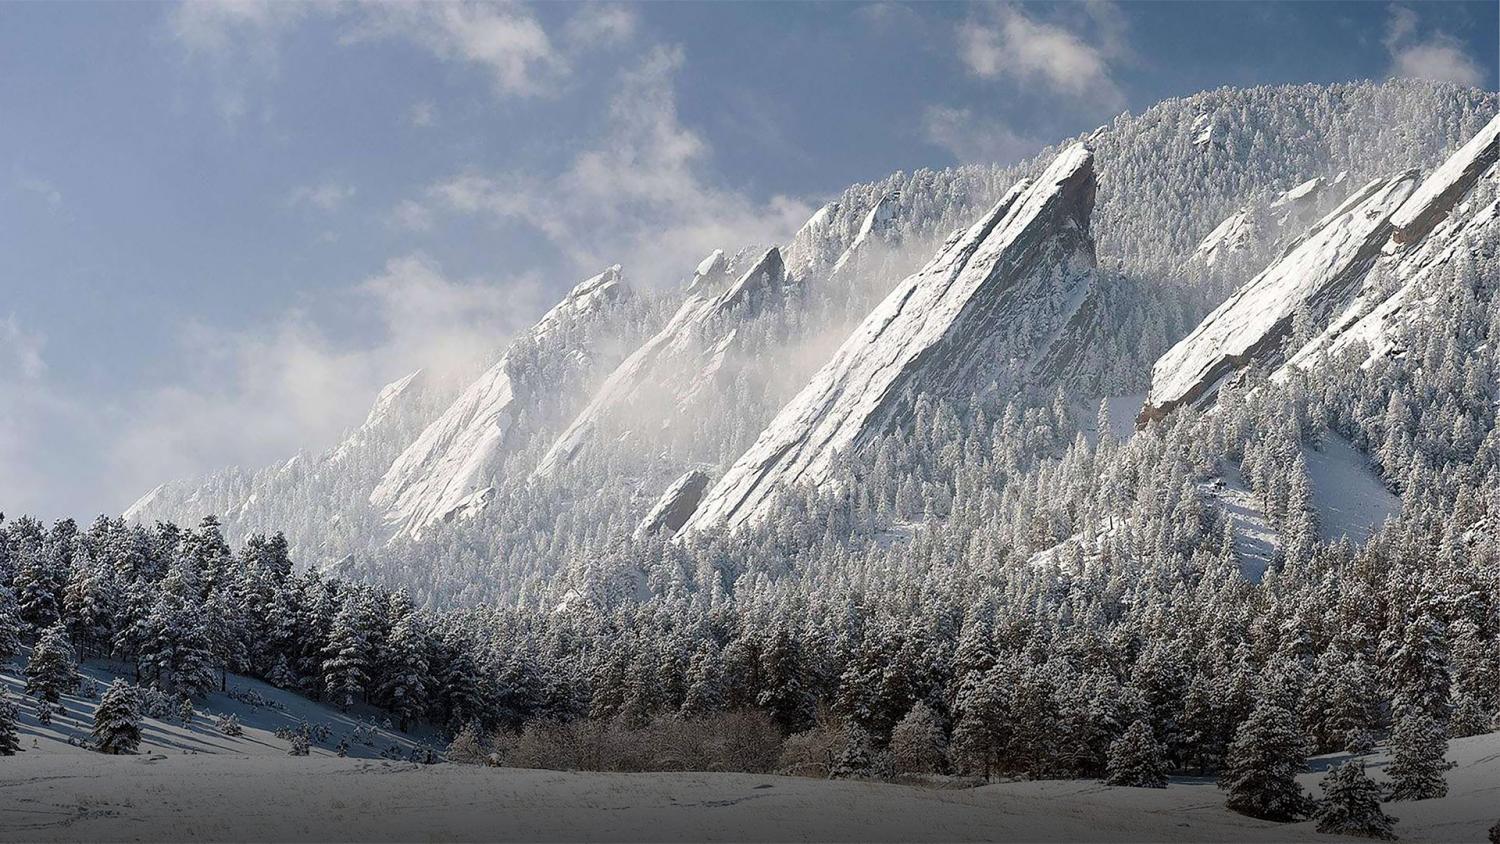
x=66, y=797
x=1349, y=496
x=262, y=709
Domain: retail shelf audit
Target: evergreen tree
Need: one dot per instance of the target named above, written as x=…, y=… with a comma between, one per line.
x=407, y=680
x=117, y=720
x=1136, y=759
x=10, y=739
x=917, y=744
x=346, y=670
x=1351, y=805
x=49, y=671
x=1418, y=747
x=10, y=625
x=1260, y=772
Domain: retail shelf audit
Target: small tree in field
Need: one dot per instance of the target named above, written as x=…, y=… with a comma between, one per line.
x=1137, y=759
x=1351, y=805
x=117, y=721
x=1260, y=772
x=1417, y=764
x=49, y=671
x=917, y=744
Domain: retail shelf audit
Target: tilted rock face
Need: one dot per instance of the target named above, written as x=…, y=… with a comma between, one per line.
x=1447, y=185
x=991, y=301
x=675, y=506
x=444, y=469
x=1317, y=273
x=1431, y=228
x=676, y=362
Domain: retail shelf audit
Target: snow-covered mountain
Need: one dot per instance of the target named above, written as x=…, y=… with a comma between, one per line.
x=979, y=313
x=562, y=449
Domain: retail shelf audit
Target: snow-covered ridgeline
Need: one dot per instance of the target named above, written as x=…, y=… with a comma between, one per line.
x=1021, y=264
x=1317, y=274
x=446, y=466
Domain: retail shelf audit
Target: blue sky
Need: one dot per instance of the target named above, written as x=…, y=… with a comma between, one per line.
x=223, y=226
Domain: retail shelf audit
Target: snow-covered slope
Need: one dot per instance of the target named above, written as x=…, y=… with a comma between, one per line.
x=1350, y=499
x=447, y=465
x=982, y=309
x=1316, y=275
x=678, y=361
x=73, y=797
x=260, y=708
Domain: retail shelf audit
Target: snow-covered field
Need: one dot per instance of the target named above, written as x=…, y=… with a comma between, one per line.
x=1255, y=539
x=54, y=796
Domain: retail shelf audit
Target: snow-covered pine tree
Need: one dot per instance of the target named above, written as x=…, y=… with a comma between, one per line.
x=917, y=743
x=10, y=625
x=404, y=665
x=1136, y=759
x=117, y=720
x=1351, y=804
x=49, y=671
x=1418, y=747
x=1260, y=771
x=10, y=739
x=346, y=670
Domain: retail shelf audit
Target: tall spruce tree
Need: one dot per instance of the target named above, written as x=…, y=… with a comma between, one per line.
x=1260, y=772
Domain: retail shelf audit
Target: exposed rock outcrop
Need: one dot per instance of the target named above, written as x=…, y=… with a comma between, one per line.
x=990, y=302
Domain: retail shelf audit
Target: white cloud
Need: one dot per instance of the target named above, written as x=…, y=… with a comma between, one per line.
x=972, y=139
x=1007, y=43
x=601, y=25
x=1440, y=56
x=641, y=195
x=505, y=40
x=328, y=196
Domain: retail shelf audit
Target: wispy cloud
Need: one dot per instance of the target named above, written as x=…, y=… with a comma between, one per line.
x=505, y=40
x=327, y=196
x=42, y=188
x=601, y=25
x=640, y=195
x=1437, y=56
x=239, y=43
x=258, y=394
x=970, y=138
x=423, y=114
x=21, y=350
x=1004, y=42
